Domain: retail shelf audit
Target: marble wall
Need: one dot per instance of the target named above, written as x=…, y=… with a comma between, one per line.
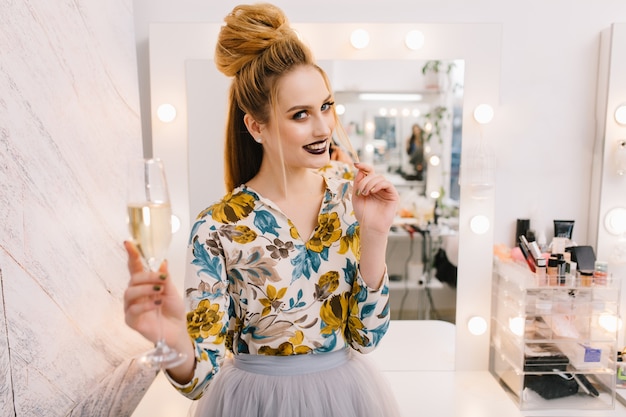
x=69, y=119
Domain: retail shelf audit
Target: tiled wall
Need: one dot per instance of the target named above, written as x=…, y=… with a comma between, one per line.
x=69, y=120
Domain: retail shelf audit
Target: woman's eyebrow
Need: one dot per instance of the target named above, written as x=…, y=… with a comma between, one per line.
x=304, y=106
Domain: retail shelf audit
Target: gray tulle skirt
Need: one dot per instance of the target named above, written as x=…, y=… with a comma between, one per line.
x=337, y=384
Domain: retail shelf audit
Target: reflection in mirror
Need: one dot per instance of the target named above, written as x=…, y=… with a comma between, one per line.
x=404, y=116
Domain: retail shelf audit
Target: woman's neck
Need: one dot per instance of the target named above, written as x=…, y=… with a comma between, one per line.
x=290, y=184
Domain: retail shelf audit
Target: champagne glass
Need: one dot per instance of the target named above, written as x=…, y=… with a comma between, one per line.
x=150, y=225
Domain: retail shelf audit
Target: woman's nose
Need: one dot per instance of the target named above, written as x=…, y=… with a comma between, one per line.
x=324, y=126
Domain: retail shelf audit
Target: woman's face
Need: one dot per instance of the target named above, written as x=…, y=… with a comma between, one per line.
x=304, y=120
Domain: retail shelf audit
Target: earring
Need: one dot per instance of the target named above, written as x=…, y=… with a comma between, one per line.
x=258, y=140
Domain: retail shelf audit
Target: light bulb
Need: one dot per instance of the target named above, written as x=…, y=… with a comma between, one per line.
x=477, y=325
x=414, y=40
x=360, y=38
x=166, y=113
x=479, y=224
x=483, y=113
x=615, y=221
x=620, y=114
x=609, y=322
x=516, y=325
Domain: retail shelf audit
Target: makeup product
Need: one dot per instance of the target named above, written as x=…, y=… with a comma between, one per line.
x=585, y=385
x=552, y=271
x=522, y=227
x=536, y=253
x=532, y=253
x=600, y=273
x=586, y=278
x=584, y=257
x=541, y=276
x=523, y=245
x=558, y=245
x=564, y=228
x=561, y=269
x=570, y=269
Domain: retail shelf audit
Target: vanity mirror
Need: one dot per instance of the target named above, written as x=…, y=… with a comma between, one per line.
x=182, y=75
x=382, y=103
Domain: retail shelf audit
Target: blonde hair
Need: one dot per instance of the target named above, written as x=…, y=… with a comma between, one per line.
x=256, y=47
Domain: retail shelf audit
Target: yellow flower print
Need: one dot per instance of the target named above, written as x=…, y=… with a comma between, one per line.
x=348, y=175
x=355, y=325
x=272, y=300
x=293, y=232
x=244, y=235
x=330, y=279
x=327, y=283
x=231, y=208
x=293, y=347
x=351, y=240
x=191, y=387
x=334, y=312
x=205, y=321
x=296, y=341
x=327, y=232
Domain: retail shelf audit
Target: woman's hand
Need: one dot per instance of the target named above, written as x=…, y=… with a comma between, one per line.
x=146, y=290
x=375, y=200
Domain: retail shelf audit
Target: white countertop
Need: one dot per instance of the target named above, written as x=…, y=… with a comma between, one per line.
x=422, y=377
x=419, y=393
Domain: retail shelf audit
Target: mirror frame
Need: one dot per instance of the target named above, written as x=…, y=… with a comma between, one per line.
x=182, y=51
x=607, y=191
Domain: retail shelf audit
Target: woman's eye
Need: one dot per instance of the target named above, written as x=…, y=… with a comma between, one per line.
x=327, y=106
x=300, y=115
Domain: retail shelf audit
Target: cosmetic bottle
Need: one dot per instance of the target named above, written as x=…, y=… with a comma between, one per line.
x=600, y=273
x=562, y=271
x=586, y=278
x=542, y=242
x=552, y=271
x=540, y=276
x=563, y=228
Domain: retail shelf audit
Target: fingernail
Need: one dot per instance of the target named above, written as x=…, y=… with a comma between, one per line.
x=358, y=192
x=162, y=276
x=157, y=288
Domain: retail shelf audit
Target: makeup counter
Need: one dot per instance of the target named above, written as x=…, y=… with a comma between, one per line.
x=554, y=324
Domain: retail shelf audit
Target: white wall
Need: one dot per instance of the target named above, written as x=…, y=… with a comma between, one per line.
x=544, y=128
x=69, y=120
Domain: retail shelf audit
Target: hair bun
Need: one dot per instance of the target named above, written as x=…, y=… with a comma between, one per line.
x=249, y=31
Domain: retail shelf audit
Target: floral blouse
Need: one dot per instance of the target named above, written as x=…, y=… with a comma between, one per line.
x=255, y=286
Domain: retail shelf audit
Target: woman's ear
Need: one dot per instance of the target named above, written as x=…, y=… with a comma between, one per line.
x=254, y=127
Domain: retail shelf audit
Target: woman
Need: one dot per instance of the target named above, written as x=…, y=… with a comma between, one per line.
x=286, y=282
x=415, y=150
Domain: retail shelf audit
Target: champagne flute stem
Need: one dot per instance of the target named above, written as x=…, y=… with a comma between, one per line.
x=160, y=335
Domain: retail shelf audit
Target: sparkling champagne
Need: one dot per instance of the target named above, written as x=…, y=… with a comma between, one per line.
x=150, y=226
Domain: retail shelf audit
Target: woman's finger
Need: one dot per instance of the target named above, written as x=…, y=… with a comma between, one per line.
x=135, y=264
x=139, y=293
